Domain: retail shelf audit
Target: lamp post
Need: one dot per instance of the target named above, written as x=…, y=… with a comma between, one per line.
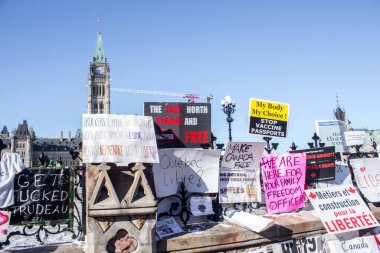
x=228, y=107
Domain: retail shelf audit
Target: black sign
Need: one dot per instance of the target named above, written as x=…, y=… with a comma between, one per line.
x=277, y=128
x=320, y=164
x=180, y=125
x=42, y=196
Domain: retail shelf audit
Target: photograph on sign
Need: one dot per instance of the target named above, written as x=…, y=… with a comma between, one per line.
x=367, y=177
x=341, y=209
x=180, y=125
x=198, y=169
x=320, y=164
x=118, y=139
x=239, y=177
x=201, y=206
x=268, y=118
x=331, y=133
x=284, y=181
x=310, y=244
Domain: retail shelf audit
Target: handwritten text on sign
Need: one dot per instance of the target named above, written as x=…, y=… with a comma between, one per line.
x=284, y=180
x=197, y=169
x=367, y=176
x=341, y=209
x=268, y=118
x=239, y=178
x=41, y=195
x=118, y=139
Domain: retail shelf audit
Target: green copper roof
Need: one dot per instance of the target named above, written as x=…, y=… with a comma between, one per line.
x=99, y=56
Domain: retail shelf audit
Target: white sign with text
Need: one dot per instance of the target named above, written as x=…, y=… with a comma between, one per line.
x=367, y=176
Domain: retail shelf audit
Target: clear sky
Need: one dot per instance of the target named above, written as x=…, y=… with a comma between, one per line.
x=297, y=52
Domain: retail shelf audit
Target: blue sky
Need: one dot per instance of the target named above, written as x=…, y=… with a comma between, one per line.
x=297, y=52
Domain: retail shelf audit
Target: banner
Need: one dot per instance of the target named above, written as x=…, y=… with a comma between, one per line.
x=118, y=139
x=239, y=177
x=367, y=177
x=320, y=163
x=42, y=196
x=284, y=181
x=356, y=137
x=331, y=132
x=341, y=209
x=180, y=125
x=268, y=118
x=198, y=169
x=310, y=244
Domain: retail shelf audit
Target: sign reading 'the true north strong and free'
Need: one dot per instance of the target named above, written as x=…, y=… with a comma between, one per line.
x=341, y=209
x=268, y=118
x=180, y=125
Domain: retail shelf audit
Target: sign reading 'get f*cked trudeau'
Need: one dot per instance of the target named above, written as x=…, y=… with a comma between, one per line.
x=341, y=209
x=268, y=118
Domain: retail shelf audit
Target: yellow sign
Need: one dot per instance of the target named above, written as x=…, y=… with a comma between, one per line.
x=268, y=110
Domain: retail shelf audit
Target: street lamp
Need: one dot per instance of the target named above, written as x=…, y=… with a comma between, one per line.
x=228, y=108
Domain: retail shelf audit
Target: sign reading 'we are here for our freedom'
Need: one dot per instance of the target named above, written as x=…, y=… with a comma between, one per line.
x=268, y=118
x=118, y=139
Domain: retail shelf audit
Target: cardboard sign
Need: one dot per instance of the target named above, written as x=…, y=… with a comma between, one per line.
x=353, y=245
x=367, y=176
x=284, y=181
x=268, y=118
x=310, y=244
x=118, y=139
x=355, y=137
x=341, y=209
x=198, y=169
x=239, y=178
x=180, y=125
x=342, y=177
x=320, y=164
x=41, y=196
x=4, y=224
x=331, y=132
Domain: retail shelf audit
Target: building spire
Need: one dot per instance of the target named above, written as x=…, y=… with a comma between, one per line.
x=99, y=56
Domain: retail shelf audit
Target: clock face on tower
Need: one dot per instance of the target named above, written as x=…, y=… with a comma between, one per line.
x=99, y=70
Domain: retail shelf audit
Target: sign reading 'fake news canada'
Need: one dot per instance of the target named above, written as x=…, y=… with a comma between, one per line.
x=268, y=118
x=341, y=209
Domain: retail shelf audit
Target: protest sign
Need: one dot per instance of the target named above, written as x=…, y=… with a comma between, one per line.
x=355, y=137
x=331, y=132
x=42, y=196
x=4, y=224
x=310, y=244
x=284, y=181
x=352, y=245
x=118, y=139
x=320, y=163
x=367, y=176
x=201, y=206
x=180, y=125
x=239, y=178
x=341, y=209
x=198, y=169
x=268, y=118
x=342, y=177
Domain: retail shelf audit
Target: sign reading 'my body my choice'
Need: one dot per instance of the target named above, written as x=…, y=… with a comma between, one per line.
x=341, y=209
x=284, y=181
x=180, y=125
x=268, y=118
x=198, y=169
x=118, y=139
